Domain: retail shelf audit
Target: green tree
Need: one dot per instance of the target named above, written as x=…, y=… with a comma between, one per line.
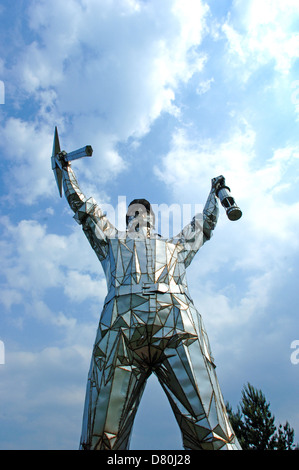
x=254, y=423
x=284, y=438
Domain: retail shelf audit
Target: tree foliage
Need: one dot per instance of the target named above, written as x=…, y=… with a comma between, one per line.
x=254, y=423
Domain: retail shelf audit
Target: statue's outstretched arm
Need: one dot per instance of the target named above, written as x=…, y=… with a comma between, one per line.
x=211, y=209
x=95, y=224
x=200, y=229
x=71, y=188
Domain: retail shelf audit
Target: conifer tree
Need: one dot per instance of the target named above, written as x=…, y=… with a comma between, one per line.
x=254, y=423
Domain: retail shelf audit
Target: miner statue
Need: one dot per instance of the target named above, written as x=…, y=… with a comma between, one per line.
x=148, y=323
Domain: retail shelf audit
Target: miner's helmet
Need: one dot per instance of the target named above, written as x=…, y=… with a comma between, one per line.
x=140, y=211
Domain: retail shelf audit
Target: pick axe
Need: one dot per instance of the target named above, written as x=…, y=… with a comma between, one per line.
x=60, y=157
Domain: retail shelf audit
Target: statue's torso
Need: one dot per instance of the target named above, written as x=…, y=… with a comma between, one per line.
x=147, y=296
x=144, y=262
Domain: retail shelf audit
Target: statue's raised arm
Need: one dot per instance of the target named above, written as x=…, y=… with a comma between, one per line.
x=201, y=228
x=94, y=222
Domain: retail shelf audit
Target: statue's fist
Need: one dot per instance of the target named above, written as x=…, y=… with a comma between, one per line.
x=60, y=160
x=218, y=182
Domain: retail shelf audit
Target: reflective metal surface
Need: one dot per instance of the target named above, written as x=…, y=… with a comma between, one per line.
x=149, y=324
x=233, y=212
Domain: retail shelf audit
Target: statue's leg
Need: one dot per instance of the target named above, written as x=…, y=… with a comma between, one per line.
x=191, y=385
x=113, y=394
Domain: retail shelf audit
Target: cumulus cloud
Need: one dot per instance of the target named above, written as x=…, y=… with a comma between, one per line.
x=85, y=72
x=263, y=31
x=45, y=375
x=37, y=266
x=34, y=261
x=26, y=148
x=49, y=401
x=191, y=163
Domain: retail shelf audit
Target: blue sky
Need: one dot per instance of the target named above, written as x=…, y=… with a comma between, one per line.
x=169, y=94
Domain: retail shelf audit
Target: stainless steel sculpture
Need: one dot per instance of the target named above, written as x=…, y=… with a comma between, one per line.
x=148, y=324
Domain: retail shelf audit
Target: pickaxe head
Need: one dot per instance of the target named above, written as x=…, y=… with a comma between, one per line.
x=57, y=171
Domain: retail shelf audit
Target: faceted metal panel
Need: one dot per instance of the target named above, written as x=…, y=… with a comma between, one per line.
x=149, y=324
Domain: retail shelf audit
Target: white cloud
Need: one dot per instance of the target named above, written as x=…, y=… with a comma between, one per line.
x=43, y=393
x=204, y=86
x=41, y=381
x=257, y=186
x=191, y=163
x=87, y=73
x=27, y=146
x=47, y=380
x=34, y=261
x=80, y=286
x=263, y=31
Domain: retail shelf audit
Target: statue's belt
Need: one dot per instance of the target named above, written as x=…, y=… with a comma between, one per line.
x=146, y=288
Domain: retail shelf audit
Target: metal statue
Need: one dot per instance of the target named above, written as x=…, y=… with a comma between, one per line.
x=148, y=323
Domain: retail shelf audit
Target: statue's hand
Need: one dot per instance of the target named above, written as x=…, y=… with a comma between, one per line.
x=60, y=160
x=218, y=182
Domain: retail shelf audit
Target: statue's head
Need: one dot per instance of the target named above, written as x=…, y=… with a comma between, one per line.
x=140, y=216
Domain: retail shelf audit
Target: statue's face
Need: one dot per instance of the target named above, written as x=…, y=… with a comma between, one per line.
x=140, y=220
